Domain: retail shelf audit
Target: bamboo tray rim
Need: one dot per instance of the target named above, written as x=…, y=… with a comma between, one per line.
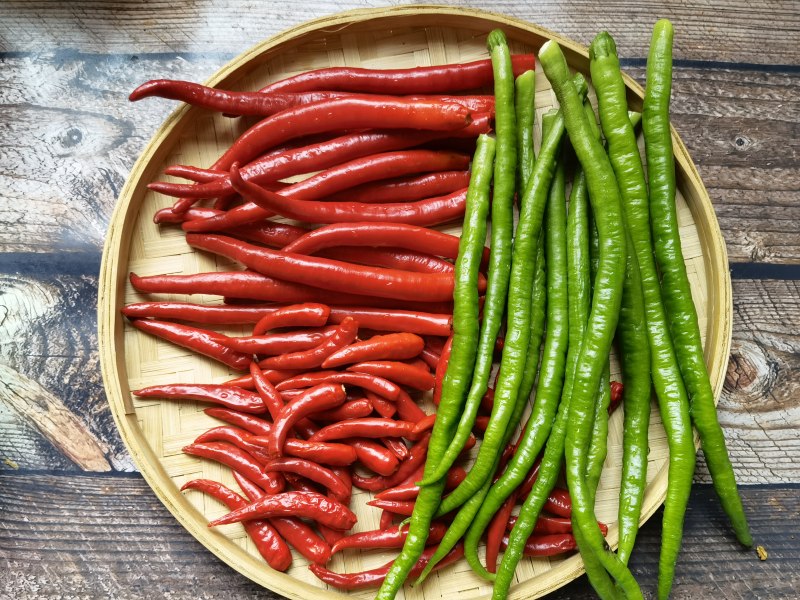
x=115, y=255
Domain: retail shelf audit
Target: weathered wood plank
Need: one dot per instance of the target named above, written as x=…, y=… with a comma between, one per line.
x=742, y=128
x=109, y=535
x=703, y=31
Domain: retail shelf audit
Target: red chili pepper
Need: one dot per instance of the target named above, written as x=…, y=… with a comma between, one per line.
x=235, y=436
x=495, y=531
x=396, y=447
x=407, y=409
x=374, y=577
x=416, y=80
x=387, y=519
x=384, y=408
x=268, y=542
x=487, y=401
x=266, y=391
x=481, y=423
x=547, y=524
x=547, y=545
x=312, y=471
x=193, y=173
x=616, y=396
x=392, y=258
x=293, y=504
x=410, y=490
x=405, y=189
x=559, y=503
x=281, y=343
x=374, y=457
x=393, y=346
x=230, y=397
x=353, y=409
x=201, y=341
x=422, y=426
x=431, y=211
x=308, y=314
x=167, y=215
x=441, y=369
x=345, y=333
x=393, y=537
x=275, y=376
x=238, y=460
x=416, y=459
x=398, y=372
x=398, y=507
x=329, y=274
x=369, y=428
x=378, y=385
x=320, y=397
x=334, y=455
x=430, y=357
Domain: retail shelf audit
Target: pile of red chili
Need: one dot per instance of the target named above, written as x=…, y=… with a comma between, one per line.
x=350, y=305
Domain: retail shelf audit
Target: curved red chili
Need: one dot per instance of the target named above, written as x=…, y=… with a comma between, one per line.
x=367, y=427
x=415, y=80
x=547, y=524
x=294, y=504
x=547, y=545
x=202, y=341
x=397, y=507
x=374, y=457
x=268, y=542
x=410, y=490
x=374, y=577
x=312, y=471
x=250, y=423
x=386, y=520
x=230, y=397
x=431, y=211
x=276, y=344
x=307, y=314
x=393, y=537
x=404, y=189
x=352, y=409
x=275, y=376
x=266, y=390
x=335, y=455
x=345, y=333
x=238, y=437
x=393, y=346
x=559, y=503
x=320, y=397
x=392, y=258
x=430, y=357
x=495, y=531
x=616, y=396
x=416, y=458
x=423, y=425
x=396, y=447
x=238, y=460
x=399, y=372
x=441, y=369
x=378, y=385
x=383, y=407
x=167, y=215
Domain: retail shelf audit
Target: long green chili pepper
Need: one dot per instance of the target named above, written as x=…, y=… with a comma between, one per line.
x=517, y=340
x=460, y=366
x=674, y=281
x=551, y=372
x=607, y=297
x=524, y=97
x=618, y=126
x=501, y=241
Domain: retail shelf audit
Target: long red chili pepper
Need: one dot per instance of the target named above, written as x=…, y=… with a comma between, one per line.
x=367, y=427
x=230, y=397
x=396, y=447
x=423, y=425
x=238, y=460
x=378, y=234
x=404, y=189
x=407, y=409
x=293, y=504
x=307, y=314
x=397, y=507
x=328, y=274
x=345, y=333
x=377, y=385
x=352, y=409
x=398, y=372
x=392, y=258
x=236, y=436
x=250, y=423
x=547, y=545
x=441, y=369
x=393, y=537
x=430, y=357
x=274, y=375
x=320, y=397
x=394, y=346
x=416, y=80
x=201, y=341
x=495, y=531
x=167, y=215
x=266, y=390
x=432, y=211
x=383, y=407
x=268, y=542
x=374, y=457
x=374, y=577
x=312, y=471
x=410, y=490
x=281, y=343
x=416, y=458
x=547, y=524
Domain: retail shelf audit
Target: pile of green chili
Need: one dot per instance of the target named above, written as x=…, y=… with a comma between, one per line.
x=594, y=265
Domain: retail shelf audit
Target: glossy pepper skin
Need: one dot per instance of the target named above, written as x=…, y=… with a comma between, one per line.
x=393, y=346
x=392, y=537
x=227, y=396
x=238, y=460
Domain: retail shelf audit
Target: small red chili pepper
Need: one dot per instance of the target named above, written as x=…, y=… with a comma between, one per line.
x=323, y=453
x=386, y=520
x=238, y=460
x=616, y=396
x=430, y=357
x=393, y=537
x=396, y=447
x=353, y=409
x=345, y=333
x=312, y=471
x=495, y=531
x=369, y=428
x=308, y=505
x=227, y=396
x=384, y=408
x=410, y=490
x=487, y=401
x=547, y=545
x=481, y=423
x=422, y=426
x=416, y=458
x=202, y=341
x=398, y=507
x=393, y=346
x=406, y=189
x=250, y=423
x=399, y=372
x=378, y=385
x=320, y=397
x=281, y=343
x=547, y=524
x=441, y=369
x=266, y=390
x=268, y=542
x=374, y=577
x=238, y=437
x=308, y=314
x=196, y=313
x=407, y=409
x=559, y=503
x=374, y=457
x=275, y=376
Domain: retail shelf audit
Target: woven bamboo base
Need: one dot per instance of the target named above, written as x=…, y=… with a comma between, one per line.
x=156, y=431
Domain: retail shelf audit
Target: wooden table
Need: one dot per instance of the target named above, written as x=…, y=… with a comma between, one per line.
x=77, y=521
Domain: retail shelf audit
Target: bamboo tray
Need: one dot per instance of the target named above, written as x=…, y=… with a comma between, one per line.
x=155, y=432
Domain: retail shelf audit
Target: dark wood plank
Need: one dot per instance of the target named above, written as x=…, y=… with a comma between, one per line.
x=739, y=32
x=109, y=535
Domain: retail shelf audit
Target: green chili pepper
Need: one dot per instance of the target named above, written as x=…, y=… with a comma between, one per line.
x=607, y=297
x=524, y=96
x=674, y=281
x=501, y=241
x=551, y=373
x=460, y=366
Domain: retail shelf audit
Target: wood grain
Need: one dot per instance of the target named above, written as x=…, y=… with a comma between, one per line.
x=108, y=536
x=740, y=32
